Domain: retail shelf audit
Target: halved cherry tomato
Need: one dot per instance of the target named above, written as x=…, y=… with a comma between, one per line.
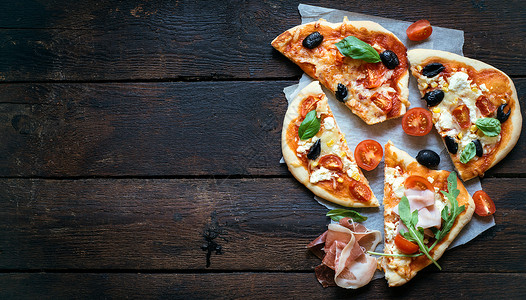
x=368, y=154
x=417, y=121
x=415, y=182
x=375, y=75
x=307, y=105
x=382, y=102
x=461, y=114
x=485, y=106
x=484, y=206
x=360, y=191
x=331, y=162
x=419, y=30
x=404, y=245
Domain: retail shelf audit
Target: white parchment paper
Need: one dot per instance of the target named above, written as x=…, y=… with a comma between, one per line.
x=356, y=130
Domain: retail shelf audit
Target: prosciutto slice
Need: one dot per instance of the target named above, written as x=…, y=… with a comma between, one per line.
x=345, y=262
x=423, y=201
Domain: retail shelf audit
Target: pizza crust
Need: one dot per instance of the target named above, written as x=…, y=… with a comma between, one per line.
x=295, y=165
x=421, y=56
x=396, y=157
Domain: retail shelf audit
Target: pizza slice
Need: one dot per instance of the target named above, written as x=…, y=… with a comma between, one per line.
x=474, y=105
x=371, y=78
x=317, y=154
x=431, y=205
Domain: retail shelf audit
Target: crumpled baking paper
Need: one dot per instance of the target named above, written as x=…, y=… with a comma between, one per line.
x=356, y=130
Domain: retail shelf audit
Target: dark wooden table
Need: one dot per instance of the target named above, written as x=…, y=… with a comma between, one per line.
x=139, y=150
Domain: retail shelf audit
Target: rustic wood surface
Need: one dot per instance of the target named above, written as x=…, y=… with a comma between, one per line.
x=139, y=149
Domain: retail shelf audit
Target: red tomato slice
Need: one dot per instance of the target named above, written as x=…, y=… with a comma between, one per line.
x=404, y=245
x=368, y=154
x=331, y=162
x=307, y=105
x=382, y=102
x=419, y=30
x=360, y=191
x=375, y=75
x=461, y=114
x=484, y=206
x=485, y=106
x=417, y=121
x=415, y=182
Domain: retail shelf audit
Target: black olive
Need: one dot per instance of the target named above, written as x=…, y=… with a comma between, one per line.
x=432, y=70
x=341, y=92
x=478, y=147
x=428, y=158
x=451, y=144
x=501, y=115
x=313, y=40
x=314, y=150
x=389, y=59
x=434, y=98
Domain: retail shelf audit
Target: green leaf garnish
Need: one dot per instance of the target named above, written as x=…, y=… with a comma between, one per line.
x=338, y=214
x=310, y=126
x=355, y=48
x=489, y=126
x=468, y=153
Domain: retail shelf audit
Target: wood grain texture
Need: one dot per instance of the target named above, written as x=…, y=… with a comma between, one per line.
x=260, y=224
x=155, y=129
x=253, y=286
x=151, y=40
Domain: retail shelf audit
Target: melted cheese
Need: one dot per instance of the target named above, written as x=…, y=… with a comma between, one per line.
x=321, y=174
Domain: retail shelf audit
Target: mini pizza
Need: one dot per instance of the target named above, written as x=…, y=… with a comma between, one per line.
x=317, y=154
x=474, y=105
x=424, y=210
x=361, y=62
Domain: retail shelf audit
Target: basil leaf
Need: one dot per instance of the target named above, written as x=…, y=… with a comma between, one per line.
x=468, y=153
x=310, y=126
x=338, y=214
x=489, y=126
x=355, y=48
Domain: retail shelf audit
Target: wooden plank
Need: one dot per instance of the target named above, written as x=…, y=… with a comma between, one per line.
x=142, y=40
x=161, y=224
x=154, y=129
x=253, y=286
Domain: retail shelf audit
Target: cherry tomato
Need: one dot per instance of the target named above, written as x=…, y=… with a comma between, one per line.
x=419, y=30
x=368, y=154
x=382, y=102
x=404, y=245
x=375, y=75
x=360, y=191
x=331, y=162
x=417, y=121
x=307, y=105
x=461, y=114
x=485, y=106
x=484, y=206
x=415, y=182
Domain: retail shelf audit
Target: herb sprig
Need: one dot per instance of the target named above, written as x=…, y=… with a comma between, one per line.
x=338, y=214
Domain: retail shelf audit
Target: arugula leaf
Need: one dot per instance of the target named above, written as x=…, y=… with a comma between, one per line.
x=489, y=126
x=353, y=47
x=338, y=214
x=416, y=235
x=309, y=126
x=449, y=217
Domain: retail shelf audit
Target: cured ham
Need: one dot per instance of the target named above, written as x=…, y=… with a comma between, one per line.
x=424, y=202
x=345, y=262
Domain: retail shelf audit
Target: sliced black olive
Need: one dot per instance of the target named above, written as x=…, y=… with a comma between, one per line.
x=313, y=40
x=428, y=158
x=432, y=70
x=314, y=150
x=341, y=92
x=389, y=59
x=434, y=98
x=478, y=147
x=501, y=115
x=451, y=144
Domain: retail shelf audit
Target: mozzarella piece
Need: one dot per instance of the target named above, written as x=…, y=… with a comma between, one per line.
x=329, y=123
x=321, y=174
x=304, y=145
